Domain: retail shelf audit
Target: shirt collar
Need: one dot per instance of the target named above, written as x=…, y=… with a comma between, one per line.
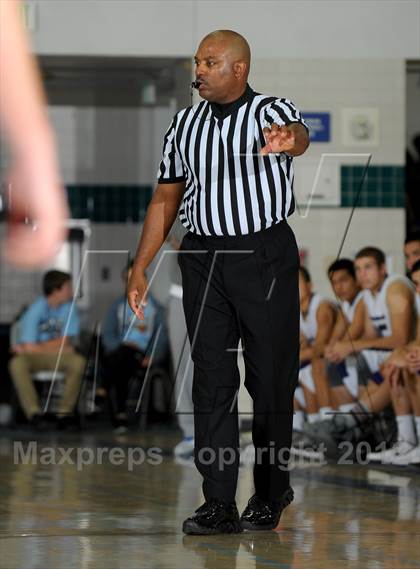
x=221, y=111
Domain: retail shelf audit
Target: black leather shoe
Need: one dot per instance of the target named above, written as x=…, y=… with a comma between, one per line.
x=262, y=515
x=214, y=516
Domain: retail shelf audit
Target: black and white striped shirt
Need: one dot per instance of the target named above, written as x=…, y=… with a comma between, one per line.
x=230, y=189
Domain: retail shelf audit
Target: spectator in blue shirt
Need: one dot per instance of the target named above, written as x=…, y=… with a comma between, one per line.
x=125, y=339
x=46, y=332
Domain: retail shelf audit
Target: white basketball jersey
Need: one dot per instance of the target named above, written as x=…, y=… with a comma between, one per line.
x=308, y=323
x=349, y=308
x=377, y=307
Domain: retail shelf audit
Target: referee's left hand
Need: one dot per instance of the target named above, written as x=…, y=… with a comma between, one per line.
x=278, y=139
x=137, y=292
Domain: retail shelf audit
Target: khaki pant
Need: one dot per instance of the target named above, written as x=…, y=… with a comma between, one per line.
x=22, y=367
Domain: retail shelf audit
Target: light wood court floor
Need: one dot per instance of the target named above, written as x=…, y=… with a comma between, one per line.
x=60, y=513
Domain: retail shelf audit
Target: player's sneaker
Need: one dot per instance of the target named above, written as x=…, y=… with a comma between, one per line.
x=398, y=449
x=410, y=457
x=319, y=427
x=185, y=448
x=305, y=447
x=296, y=436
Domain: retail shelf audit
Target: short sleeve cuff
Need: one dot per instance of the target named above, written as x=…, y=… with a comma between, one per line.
x=171, y=180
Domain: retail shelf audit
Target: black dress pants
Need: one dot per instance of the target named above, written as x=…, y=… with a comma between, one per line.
x=242, y=287
x=120, y=366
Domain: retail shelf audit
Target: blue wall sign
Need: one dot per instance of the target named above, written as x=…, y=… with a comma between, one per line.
x=319, y=126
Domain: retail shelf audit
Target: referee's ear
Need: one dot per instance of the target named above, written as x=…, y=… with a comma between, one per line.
x=240, y=69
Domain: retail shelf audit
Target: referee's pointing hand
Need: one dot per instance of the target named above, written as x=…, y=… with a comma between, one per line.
x=136, y=293
x=278, y=139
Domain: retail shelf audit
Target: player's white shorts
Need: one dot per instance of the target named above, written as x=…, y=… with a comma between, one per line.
x=374, y=360
x=300, y=397
x=350, y=380
x=306, y=379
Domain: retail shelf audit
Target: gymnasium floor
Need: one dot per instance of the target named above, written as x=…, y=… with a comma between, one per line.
x=104, y=516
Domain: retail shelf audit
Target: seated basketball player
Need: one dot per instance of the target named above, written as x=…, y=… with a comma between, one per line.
x=412, y=250
x=336, y=385
x=317, y=320
x=388, y=324
x=402, y=371
x=388, y=304
x=339, y=386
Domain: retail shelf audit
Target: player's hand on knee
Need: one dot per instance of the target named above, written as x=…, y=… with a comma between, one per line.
x=413, y=359
x=340, y=351
x=394, y=376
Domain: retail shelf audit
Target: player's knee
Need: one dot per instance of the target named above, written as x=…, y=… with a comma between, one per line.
x=318, y=361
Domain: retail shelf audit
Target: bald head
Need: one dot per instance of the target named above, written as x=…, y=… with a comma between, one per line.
x=233, y=42
x=222, y=66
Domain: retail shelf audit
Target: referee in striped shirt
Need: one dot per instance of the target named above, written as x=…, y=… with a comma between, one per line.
x=227, y=170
